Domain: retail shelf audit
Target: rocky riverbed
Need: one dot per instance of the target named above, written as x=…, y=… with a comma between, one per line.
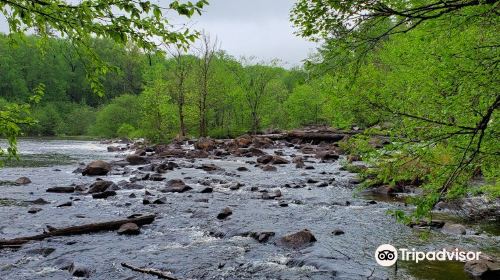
x=248, y=208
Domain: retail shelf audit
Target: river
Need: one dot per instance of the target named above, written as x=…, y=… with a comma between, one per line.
x=186, y=238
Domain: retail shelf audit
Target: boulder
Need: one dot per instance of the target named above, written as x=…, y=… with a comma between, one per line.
x=451, y=228
x=226, y=212
x=97, y=168
x=34, y=210
x=207, y=190
x=483, y=269
x=129, y=229
x=205, y=144
x=242, y=168
x=209, y=167
x=243, y=141
x=297, y=240
x=23, y=181
x=102, y=186
x=176, y=186
x=135, y=159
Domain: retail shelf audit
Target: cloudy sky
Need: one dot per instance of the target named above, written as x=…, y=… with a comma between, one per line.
x=259, y=28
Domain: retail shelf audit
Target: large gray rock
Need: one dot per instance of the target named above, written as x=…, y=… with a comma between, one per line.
x=177, y=186
x=450, y=228
x=135, y=159
x=483, y=269
x=102, y=186
x=97, y=168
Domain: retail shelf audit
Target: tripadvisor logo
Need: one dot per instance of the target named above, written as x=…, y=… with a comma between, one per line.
x=387, y=255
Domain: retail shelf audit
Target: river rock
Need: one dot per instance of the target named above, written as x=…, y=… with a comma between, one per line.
x=80, y=271
x=265, y=159
x=177, y=186
x=226, y=212
x=133, y=186
x=209, y=167
x=102, y=186
x=327, y=155
x=134, y=159
x=261, y=236
x=297, y=240
x=61, y=190
x=66, y=204
x=451, y=228
x=103, y=195
x=205, y=144
x=97, y=168
x=337, y=232
x=243, y=141
x=129, y=229
x=166, y=166
x=273, y=195
x=156, y=177
x=39, y=201
x=23, y=181
x=242, y=168
x=207, y=190
x=269, y=168
x=483, y=269
x=34, y=210
x=113, y=149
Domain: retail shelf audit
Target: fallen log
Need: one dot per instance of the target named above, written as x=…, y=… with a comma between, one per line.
x=82, y=229
x=158, y=273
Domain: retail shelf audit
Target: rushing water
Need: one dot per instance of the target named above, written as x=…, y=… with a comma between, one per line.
x=179, y=240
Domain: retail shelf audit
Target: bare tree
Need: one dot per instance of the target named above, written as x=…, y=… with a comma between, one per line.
x=206, y=52
x=180, y=72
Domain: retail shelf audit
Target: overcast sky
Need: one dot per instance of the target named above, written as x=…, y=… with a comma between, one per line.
x=258, y=28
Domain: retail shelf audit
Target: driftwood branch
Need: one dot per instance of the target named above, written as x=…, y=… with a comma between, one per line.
x=74, y=230
x=158, y=273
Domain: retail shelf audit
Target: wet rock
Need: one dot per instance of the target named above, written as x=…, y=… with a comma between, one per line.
x=309, y=167
x=273, y=195
x=80, y=271
x=207, y=190
x=103, y=195
x=134, y=159
x=146, y=201
x=133, y=186
x=209, y=167
x=129, y=229
x=23, y=181
x=197, y=154
x=451, y=228
x=166, y=166
x=177, y=186
x=102, y=186
x=242, y=168
x=337, y=232
x=269, y=168
x=156, y=177
x=226, y=212
x=132, y=195
x=265, y=159
x=61, y=190
x=235, y=186
x=322, y=185
x=260, y=236
x=254, y=189
x=243, y=141
x=97, y=168
x=160, y=201
x=311, y=181
x=270, y=159
x=66, y=204
x=113, y=149
x=283, y=204
x=483, y=269
x=205, y=144
x=140, y=152
x=297, y=240
x=39, y=201
x=34, y=210
x=327, y=155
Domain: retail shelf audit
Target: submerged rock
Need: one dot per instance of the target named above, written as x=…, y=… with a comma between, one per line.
x=135, y=159
x=226, y=212
x=34, y=210
x=129, y=229
x=61, y=190
x=23, y=181
x=102, y=186
x=97, y=168
x=297, y=240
